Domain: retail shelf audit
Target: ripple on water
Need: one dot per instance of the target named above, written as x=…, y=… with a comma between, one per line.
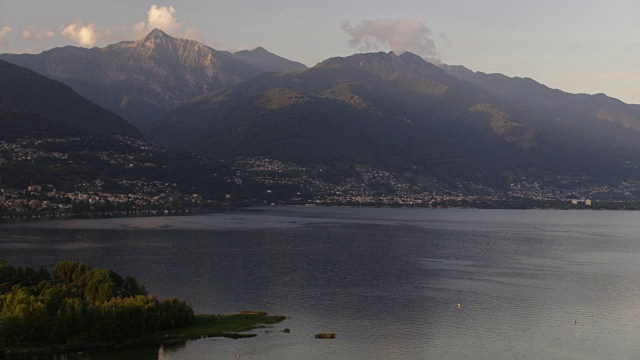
x=386, y=281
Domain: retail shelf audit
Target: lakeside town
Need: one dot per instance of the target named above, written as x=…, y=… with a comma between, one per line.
x=368, y=187
x=38, y=202
x=274, y=182
x=375, y=187
x=118, y=191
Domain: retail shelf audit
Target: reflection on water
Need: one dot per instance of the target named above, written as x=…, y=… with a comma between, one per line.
x=530, y=284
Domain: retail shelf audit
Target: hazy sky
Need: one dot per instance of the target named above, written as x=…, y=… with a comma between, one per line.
x=575, y=45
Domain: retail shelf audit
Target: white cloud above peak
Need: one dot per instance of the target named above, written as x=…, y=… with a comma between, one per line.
x=163, y=18
x=89, y=34
x=398, y=35
x=83, y=35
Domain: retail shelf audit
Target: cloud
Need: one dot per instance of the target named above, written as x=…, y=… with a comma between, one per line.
x=83, y=35
x=139, y=30
x=4, y=32
x=621, y=76
x=398, y=35
x=31, y=34
x=163, y=18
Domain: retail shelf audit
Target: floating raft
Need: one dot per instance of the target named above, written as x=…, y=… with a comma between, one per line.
x=325, y=335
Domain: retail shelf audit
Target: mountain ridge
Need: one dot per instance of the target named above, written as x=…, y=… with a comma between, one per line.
x=266, y=61
x=441, y=125
x=402, y=114
x=83, y=159
x=30, y=102
x=141, y=79
x=532, y=93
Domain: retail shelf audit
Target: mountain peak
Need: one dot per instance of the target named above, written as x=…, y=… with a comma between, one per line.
x=410, y=57
x=156, y=34
x=257, y=51
x=383, y=62
x=266, y=61
x=159, y=41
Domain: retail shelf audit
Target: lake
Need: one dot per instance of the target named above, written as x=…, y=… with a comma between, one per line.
x=531, y=284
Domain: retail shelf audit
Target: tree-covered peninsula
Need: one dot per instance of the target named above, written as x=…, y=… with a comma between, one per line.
x=77, y=306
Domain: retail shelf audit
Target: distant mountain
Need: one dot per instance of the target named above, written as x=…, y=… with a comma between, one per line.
x=140, y=80
x=51, y=135
x=533, y=95
x=31, y=103
x=313, y=116
x=265, y=61
x=408, y=116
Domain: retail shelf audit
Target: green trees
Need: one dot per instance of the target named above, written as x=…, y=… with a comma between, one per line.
x=76, y=305
x=174, y=313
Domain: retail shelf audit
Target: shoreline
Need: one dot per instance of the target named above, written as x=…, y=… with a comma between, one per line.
x=601, y=206
x=233, y=326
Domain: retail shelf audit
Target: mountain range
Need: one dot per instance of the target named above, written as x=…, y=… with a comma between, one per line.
x=31, y=103
x=531, y=94
x=406, y=115
x=140, y=80
x=435, y=127
x=52, y=135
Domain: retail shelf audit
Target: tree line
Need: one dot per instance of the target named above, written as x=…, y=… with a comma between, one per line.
x=76, y=305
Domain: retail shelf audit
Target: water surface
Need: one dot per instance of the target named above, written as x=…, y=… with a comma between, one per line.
x=530, y=284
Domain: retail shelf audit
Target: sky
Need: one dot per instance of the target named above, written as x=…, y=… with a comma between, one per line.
x=579, y=46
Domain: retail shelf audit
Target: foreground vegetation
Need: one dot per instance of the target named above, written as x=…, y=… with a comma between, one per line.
x=76, y=306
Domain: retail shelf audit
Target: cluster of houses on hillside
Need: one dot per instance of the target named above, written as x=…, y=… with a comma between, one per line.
x=38, y=201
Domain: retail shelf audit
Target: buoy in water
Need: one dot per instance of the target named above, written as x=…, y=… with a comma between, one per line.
x=458, y=306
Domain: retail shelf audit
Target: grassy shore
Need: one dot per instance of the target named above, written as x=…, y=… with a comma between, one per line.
x=223, y=325
x=232, y=326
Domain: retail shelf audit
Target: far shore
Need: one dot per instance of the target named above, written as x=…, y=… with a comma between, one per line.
x=480, y=205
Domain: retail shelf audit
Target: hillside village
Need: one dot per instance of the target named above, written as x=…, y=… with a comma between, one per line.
x=366, y=187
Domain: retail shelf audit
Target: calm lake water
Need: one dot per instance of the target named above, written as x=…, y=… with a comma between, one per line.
x=530, y=284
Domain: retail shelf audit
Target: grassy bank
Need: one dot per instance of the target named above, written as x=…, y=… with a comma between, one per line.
x=223, y=325
x=232, y=326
